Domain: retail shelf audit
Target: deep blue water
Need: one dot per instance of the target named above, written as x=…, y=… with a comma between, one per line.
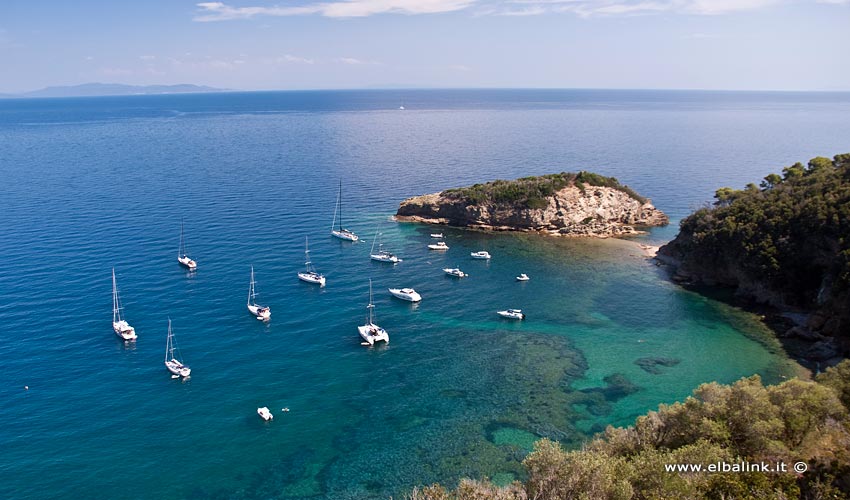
x=92, y=183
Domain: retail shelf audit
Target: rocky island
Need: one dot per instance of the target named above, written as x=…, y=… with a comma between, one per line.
x=784, y=244
x=565, y=204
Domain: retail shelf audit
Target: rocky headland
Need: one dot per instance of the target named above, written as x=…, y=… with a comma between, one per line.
x=783, y=247
x=565, y=204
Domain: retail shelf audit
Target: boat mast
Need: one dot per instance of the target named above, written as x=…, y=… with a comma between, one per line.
x=116, y=314
x=251, y=287
x=371, y=306
x=180, y=250
x=168, y=345
x=336, y=208
x=340, y=205
x=307, y=253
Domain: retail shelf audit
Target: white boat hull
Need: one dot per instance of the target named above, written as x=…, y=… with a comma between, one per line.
x=312, y=278
x=522, y=277
x=385, y=258
x=407, y=294
x=455, y=273
x=265, y=414
x=511, y=314
x=372, y=333
x=260, y=312
x=480, y=255
x=178, y=368
x=124, y=330
x=438, y=247
x=187, y=262
x=345, y=234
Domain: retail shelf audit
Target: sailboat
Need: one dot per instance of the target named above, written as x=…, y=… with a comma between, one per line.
x=371, y=332
x=341, y=233
x=182, y=256
x=382, y=255
x=119, y=324
x=174, y=363
x=263, y=313
x=310, y=275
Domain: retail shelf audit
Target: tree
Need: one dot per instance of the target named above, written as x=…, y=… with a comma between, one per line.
x=770, y=181
x=794, y=171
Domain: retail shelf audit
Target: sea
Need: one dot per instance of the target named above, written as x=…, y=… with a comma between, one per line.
x=89, y=185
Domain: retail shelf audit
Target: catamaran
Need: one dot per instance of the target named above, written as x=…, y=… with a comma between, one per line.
x=263, y=313
x=341, y=233
x=182, y=256
x=382, y=255
x=370, y=332
x=174, y=363
x=119, y=324
x=310, y=275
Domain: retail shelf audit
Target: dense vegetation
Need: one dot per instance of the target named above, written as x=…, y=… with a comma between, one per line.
x=791, y=234
x=533, y=192
x=796, y=421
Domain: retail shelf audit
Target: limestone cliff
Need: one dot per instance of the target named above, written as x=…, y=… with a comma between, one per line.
x=560, y=204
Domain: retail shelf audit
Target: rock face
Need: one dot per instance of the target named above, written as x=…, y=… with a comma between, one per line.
x=570, y=211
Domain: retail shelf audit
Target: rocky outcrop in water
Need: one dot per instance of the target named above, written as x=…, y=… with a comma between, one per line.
x=564, y=207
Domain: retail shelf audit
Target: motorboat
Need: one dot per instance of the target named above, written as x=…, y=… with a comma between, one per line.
x=484, y=255
x=371, y=332
x=408, y=294
x=436, y=235
x=440, y=245
x=174, y=363
x=511, y=314
x=119, y=324
x=457, y=273
x=262, y=313
x=310, y=275
x=522, y=277
x=264, y=413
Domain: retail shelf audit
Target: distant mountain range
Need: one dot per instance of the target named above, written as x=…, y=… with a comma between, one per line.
x=104, y=89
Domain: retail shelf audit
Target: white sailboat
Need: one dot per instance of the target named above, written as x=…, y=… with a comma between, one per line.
x=182, y=256
x=262, y=313
x=119, y=324
x=310, y=275
x=174, y=363
x=381, y=255
x=341, y=233
x=370, y=332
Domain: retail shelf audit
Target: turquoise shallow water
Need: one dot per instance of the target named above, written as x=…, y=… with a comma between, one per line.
x=93, y=183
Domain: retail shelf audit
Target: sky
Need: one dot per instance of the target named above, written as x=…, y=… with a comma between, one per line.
x=330, y=44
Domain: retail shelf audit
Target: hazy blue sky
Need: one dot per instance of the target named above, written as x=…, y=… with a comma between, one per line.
x=259, y=44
